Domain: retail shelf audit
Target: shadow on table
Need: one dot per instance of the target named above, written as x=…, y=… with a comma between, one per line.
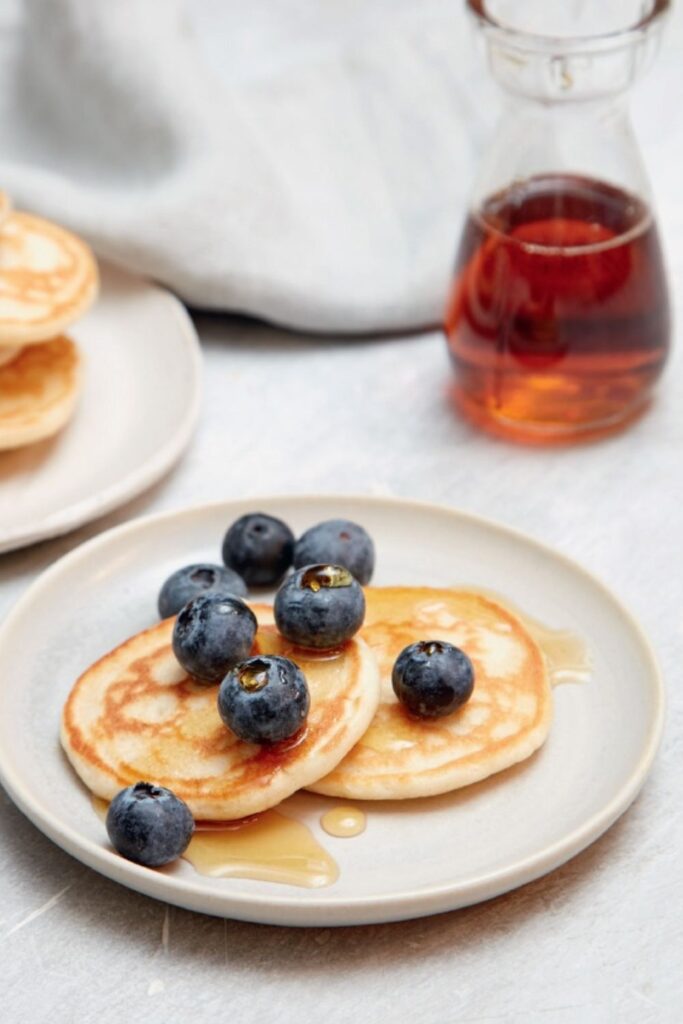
x=244, y=332
x=100, y=908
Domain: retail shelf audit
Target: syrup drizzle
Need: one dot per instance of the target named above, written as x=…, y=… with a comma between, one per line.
x=100, y=807
x=566, y=655
x=269, y=847
x=272, y=847
x=343, y=822
x=401, y=736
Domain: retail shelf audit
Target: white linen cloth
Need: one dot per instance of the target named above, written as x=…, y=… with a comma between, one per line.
x=304, y=162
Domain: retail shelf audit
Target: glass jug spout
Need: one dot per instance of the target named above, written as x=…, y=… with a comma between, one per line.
x=558, y=316
x=571, y=50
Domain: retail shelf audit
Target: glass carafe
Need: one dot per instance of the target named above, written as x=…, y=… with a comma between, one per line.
x=558, y=318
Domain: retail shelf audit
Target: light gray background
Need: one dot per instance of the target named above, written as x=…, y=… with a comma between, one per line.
x=600, y=940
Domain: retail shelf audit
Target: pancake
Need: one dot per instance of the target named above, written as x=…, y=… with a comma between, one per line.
x=137, y=715
x=8, y=353
x=38, y=392
x=48, y=278
x=505, y=721
x=5, y=206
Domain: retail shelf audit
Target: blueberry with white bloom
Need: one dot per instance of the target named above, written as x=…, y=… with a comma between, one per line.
x=212, y=634
x=337, y=542
x=193, y=580
x=320, y=606
x=149, y=824
x=259, y=548
x=432, y=678
x=264, y=699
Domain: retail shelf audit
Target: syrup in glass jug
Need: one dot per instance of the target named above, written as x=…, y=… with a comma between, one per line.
x=558, y=318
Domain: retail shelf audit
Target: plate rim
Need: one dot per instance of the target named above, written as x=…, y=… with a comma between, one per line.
x=144, y=476
x=331, y=910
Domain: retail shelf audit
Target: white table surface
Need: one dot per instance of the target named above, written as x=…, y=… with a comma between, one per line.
x=600, y=940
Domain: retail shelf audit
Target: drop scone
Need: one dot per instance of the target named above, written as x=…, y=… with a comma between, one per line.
x=505, y=720
x=48, y=279
x=136, y=714
x=38, y=391
x=5, y=206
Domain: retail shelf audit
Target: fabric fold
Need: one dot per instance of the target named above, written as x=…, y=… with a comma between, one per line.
x=307, y=164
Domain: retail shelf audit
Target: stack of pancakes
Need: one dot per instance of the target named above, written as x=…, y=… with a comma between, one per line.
x=48, y=279
x=136, y=714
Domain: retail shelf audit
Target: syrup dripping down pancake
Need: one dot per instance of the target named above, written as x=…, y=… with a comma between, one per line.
x=136, y=715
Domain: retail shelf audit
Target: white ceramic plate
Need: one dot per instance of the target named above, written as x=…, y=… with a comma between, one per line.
x=416, y=857
x=135, y=416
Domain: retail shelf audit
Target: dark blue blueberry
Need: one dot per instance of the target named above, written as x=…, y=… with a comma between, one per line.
x=193, y=580
x=264, y=699
x=260, y=548
x=319, y=606
x=149, y=824
x=337, y=542
x=211, y=634
x=432, y=678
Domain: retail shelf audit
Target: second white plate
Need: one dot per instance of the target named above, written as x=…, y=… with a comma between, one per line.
x=135, y=416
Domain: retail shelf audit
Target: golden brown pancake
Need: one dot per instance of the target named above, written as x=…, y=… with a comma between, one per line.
x=505, y=721
x=48, y=278
x=136, y=715
x=5, y=206
x=9, y=353
x=38, y=392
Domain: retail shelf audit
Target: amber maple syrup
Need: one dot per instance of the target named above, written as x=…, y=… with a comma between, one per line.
x=343, y=822
x=565, y=653
x=274, y=847
x=270, y=847
x=558, y=318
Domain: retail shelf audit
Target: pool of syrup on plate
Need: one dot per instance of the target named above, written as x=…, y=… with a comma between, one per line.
x=343, y=822
x=270, y=846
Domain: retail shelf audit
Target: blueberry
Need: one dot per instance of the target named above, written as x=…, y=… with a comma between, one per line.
x=337, y=542
x=432, y=678
x=149, y=824
x=260, y=548
x=193, y=580
x=319, y=606
x=264, y=699
x=211, y=634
